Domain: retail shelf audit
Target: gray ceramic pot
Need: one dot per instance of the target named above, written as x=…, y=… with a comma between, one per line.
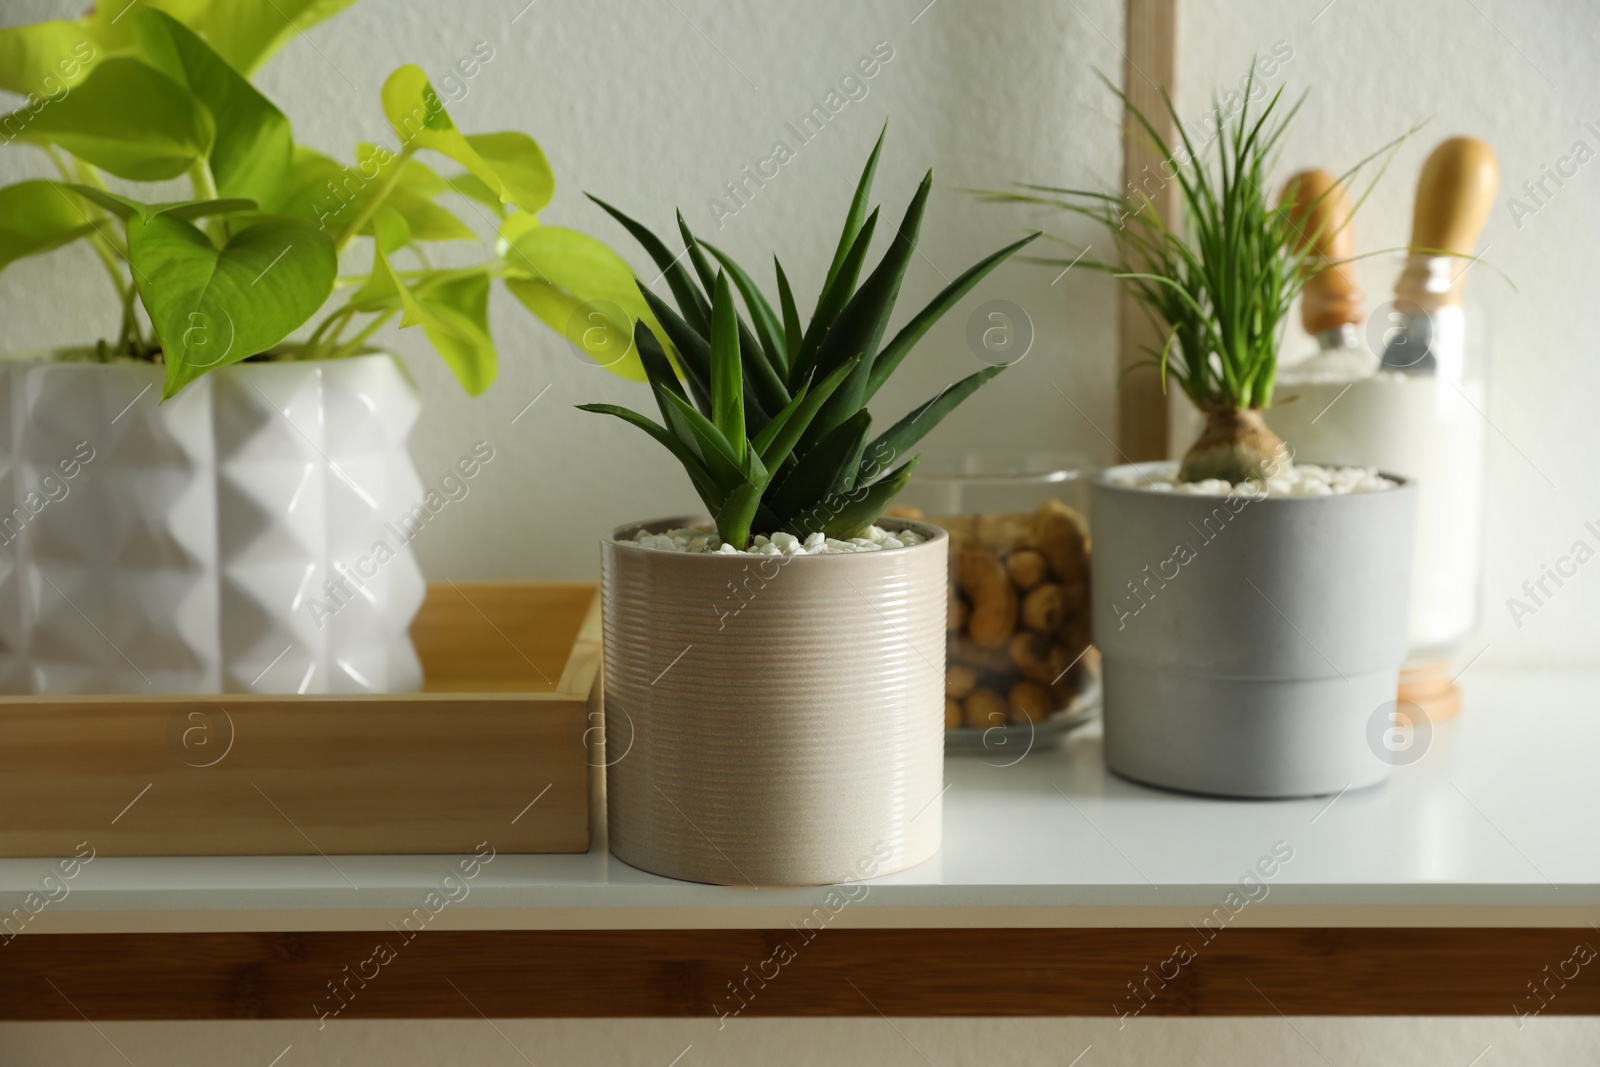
x=770, y=720
x=1247, y=644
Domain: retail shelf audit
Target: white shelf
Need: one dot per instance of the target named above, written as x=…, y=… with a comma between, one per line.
x=1496, y=826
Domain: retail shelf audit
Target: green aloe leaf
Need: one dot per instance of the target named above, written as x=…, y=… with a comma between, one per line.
x=755, y=471
x=692, y=303
x=832, y=301
x=658, y=369
x=763, y=441
x=697, y=257
x=737, y=513
x=897, y=440
x=578, y=287
x=37, y=216
x=860, y=326
x=253, y=146
x=694, y=351
x=769, y=330
x=779, y=437
x=765, y=387
x=126, y=118
x=703, y=483
x=853, y=514
x=792, y=330
x=912, y=332
x=727, y=372
x=858, y=212
x=214, y=306
x=511, y=164
x=713, y=448
x=764, y=390
x=829, y=467
x=662, y=377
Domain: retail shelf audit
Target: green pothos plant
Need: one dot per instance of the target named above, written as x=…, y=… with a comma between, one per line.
x=120, y=103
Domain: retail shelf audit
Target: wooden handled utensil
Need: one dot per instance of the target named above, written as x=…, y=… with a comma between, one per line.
x=1454, y=194
x=1330, y=303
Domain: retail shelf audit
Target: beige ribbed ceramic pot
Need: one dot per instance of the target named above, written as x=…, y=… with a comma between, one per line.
x=774, y=720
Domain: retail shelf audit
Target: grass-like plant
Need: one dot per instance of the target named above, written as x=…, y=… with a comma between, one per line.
x=770, y=420
x=1220, y=282
x=252, y=254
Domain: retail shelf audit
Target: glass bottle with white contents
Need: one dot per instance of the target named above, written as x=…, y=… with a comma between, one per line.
x=1413, y=403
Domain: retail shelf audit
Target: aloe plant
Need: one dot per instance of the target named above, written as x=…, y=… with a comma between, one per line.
x=252, y=255
x=770, y=418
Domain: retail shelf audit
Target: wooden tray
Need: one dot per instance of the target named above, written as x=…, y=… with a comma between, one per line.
x=493, y=750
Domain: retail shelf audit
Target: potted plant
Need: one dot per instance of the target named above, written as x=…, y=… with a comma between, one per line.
x=1250, y=612
x=778, y=670
x=201, y=504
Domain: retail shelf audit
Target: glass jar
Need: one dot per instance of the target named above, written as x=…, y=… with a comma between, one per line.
x=1020, y=667
x=1423, y=421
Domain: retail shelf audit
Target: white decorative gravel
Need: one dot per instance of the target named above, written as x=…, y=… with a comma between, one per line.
x=704, y=540
x=1301, y=479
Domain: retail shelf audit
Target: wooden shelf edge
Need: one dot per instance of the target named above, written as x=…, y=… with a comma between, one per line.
x=806, y=969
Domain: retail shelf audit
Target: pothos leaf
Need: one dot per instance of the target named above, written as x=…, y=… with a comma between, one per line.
x=214, y=306
x=126, y=118
x=511, y=164
x=578, y=287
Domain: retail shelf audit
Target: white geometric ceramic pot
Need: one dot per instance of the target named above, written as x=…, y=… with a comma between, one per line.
x=774, y=720
x=1250, y=646
x=224, y=541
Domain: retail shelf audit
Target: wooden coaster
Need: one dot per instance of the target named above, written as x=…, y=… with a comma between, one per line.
x=1428, y=686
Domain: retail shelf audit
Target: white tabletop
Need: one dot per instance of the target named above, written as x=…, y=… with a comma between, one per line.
x=1495, y=826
